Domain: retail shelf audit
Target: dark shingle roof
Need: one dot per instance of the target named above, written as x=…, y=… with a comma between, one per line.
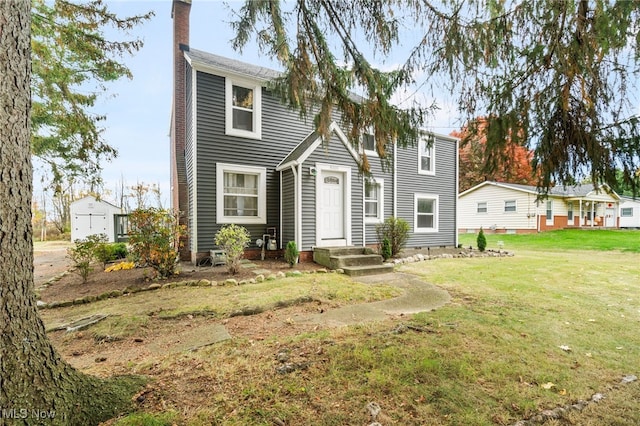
x=561, y=191
x=227, y=64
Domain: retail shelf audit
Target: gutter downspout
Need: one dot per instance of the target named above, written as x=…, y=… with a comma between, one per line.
x=364, y=224
x=455, y=200
x=395, y=180
x=281, y=220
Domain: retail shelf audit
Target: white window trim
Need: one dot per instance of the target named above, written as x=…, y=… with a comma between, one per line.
x=486, y=207
x=436, y=213
x=380, y=218
x=368, y=152
x=504, y=207
x=261, y=218
x=257, y=108
x=431, y=172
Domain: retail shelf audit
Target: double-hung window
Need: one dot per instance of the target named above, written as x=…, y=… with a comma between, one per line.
x=243, y=109
x=373, y=201
x=426, y=213
x=626, y=212
x=240, y=194
x=369, y=144
x=570, y=211
x=510, y=206
x=426, y=157
x=481, y=207
x=549, y=212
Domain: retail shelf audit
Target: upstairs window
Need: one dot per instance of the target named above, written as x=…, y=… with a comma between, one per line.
x=426, y=157
x=243, y=109
x=481, y=207
x=369, y=144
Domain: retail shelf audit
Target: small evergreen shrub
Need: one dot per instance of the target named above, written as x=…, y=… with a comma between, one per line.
x=396, y=230
x=481, y=241
x=233, y=239
x=291, y=253
x=386, y=249
x=120, y=250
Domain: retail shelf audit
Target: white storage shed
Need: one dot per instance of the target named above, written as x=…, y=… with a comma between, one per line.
x=91, y=216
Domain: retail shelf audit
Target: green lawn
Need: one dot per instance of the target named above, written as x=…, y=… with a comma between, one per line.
x=566, y=239
x=552, y=325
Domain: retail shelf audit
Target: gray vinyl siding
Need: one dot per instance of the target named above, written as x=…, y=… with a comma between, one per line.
x=288, y=207
x=282, y=129
x=189, y=151
x=337, y=154
x=378, y=172
x=442, y=184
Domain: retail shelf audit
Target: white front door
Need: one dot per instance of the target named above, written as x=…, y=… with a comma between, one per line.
x=331, y=226
x=610, y=217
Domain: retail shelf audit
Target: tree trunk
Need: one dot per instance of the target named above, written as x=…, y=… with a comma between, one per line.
x=36, y=385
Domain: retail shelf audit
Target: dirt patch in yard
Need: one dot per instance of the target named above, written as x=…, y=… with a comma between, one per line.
x=69, y=285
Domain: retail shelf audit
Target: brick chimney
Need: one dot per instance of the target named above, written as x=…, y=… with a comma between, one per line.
x=179, y=195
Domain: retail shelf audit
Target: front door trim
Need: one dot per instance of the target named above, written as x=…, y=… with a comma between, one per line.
x=346, y=202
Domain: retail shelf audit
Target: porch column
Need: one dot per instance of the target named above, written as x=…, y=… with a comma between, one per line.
x=580, y=218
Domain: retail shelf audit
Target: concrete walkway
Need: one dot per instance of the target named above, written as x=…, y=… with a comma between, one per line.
x=418, y=297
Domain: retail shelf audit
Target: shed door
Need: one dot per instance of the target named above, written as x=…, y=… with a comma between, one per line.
x=90, y=224
x=331, y=199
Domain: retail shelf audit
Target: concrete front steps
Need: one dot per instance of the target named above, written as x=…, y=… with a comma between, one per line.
x=354, y=261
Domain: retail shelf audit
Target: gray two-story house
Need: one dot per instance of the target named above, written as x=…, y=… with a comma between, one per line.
x=240, y=156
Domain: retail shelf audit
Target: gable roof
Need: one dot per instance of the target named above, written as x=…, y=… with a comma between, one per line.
x=97, y=200
x=216, y=63
x=576, y=191
x=305, y=148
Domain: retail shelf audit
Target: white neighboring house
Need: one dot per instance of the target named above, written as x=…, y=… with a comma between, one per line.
x=513, y=208
x=90, y=216
x=629, y=212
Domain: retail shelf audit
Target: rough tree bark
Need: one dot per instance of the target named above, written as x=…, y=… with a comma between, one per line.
x=36, y=385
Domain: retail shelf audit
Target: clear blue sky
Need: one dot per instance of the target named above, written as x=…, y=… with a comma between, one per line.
x=138, y=110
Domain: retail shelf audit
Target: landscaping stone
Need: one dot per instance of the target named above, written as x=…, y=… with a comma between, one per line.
x=230, y=281
x=293, y=273
x=83, y=323
x=204, y=283
x=280, y=274
x=155, y=286
x=259, y=278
